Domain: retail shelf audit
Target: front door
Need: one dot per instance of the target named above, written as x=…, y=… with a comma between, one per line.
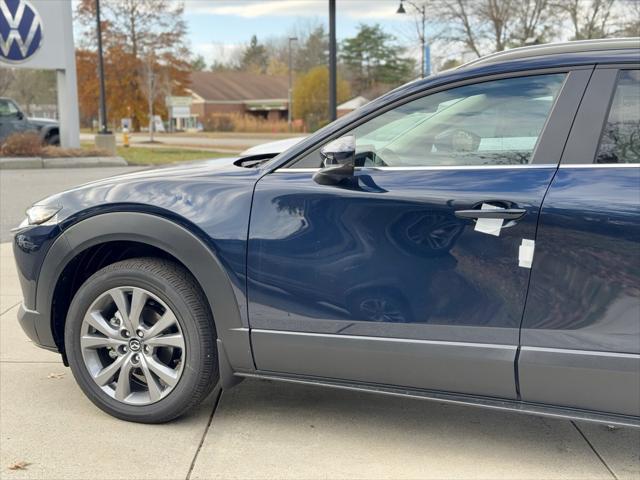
x=392, y=280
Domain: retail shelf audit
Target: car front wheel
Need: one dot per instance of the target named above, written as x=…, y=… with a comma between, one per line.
x=140, y=340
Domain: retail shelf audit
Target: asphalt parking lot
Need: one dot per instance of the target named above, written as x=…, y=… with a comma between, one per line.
x=267, y=430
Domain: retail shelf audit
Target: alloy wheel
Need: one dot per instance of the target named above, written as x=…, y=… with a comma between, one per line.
x=132, y=345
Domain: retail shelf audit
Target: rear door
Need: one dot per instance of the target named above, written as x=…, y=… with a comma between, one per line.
x=386, y=281
x=581, y=329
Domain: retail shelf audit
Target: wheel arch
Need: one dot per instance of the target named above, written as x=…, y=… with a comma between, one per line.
x=166, y=236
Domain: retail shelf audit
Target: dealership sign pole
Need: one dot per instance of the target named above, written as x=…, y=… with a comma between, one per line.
x=38, y=34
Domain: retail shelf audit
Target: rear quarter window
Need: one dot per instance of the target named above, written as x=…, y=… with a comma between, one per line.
x=620, y=141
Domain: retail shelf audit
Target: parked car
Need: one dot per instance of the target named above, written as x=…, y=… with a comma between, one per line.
x=486, y=252
x=13, y=120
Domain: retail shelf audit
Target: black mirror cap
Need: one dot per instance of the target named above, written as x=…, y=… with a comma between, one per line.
x=334, y=174
x=340, y=151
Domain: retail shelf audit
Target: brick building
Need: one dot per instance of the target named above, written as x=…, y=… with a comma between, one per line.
x=239, y=92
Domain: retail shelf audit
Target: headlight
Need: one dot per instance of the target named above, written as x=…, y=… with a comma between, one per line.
x=39, y=214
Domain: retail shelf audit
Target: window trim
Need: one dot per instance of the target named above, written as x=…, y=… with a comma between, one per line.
x=556, y=128
x=588, y=128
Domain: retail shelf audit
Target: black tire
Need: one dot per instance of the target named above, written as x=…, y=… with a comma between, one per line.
x=53, y=139
x=177, y=288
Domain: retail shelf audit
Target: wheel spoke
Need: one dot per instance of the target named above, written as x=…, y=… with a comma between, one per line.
x=138, y=301
x=97, y=321
x=95, y=341
x=109, y=353
x=167, y=320
x=169, y=340
x=122, y=304
x=123, y=386
x=166, y=374
x=105, y=375
x=155, y=392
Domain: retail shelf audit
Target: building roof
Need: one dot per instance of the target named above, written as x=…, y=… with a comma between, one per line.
x=353, y=103
x=238, y=86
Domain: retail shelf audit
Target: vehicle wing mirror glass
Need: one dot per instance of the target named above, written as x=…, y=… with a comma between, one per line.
x=338, y=158
x=20, y=115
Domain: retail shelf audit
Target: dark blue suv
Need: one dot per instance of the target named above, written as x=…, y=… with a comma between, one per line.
x=473, y=237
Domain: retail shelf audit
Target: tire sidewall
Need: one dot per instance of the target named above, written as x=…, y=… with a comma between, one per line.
x=193, y=356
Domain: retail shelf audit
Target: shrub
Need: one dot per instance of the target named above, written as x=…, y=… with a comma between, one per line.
x=26, y=144
x=29, y=144
x=235, y=122
x=57, y=152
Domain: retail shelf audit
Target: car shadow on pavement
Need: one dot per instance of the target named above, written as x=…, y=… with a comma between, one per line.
x=261, y=426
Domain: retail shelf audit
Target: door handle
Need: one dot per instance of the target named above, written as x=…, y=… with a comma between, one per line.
x=504, y=213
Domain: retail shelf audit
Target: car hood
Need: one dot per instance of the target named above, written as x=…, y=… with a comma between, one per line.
x=42, y=122
x=186, y=190
x=173, y=172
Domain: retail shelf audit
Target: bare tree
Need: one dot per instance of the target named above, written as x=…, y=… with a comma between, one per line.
x=485, y=26
x=481, y=25
x=30, y=87
x=630, y=19
x=535, y=21
x=498, y=14
x=590, y=19
x=460, y=14
x=6, y=78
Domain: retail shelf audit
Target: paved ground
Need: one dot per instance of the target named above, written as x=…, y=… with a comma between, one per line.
x=266, y=430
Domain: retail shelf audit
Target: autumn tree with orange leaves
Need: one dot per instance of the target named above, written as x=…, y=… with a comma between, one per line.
x=139, y=37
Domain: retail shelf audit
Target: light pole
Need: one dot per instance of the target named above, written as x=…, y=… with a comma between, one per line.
x=290, y=104
x=423, y=41
x=333, y=82
x=151, y=95
x=104, y=140
x=103, y=101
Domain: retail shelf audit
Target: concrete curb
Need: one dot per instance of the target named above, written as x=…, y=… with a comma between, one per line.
x=11, y=163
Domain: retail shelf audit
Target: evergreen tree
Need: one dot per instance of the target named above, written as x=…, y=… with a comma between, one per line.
x=372, y=57
x=254, y=58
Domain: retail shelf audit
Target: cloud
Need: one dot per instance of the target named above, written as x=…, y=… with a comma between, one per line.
x=220, y=52
x=354, y=9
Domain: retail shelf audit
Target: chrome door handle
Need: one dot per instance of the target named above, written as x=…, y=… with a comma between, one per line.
x=504, y=213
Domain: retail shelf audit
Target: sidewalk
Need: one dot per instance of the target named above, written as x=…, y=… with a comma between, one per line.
x=267, y=430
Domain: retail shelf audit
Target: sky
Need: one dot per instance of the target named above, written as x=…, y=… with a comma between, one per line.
x=218, y=27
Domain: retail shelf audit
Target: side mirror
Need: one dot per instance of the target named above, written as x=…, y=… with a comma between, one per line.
x=338, y=159
x=20, y=115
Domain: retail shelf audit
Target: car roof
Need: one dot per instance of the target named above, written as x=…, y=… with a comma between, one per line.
x=595, y=47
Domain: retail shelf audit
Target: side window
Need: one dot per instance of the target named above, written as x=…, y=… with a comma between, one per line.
x=620, y=142
x=7, y=108
x=491, y=123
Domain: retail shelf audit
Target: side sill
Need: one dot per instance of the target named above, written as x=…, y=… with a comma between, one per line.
x=458, y=399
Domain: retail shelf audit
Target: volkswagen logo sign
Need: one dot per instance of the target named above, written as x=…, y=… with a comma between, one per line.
x=20, y=30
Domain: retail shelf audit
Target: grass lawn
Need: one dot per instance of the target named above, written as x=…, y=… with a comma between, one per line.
x=159, y=156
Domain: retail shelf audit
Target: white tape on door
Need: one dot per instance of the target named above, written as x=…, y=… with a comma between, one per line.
x=490, y=226
x=525, y=254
